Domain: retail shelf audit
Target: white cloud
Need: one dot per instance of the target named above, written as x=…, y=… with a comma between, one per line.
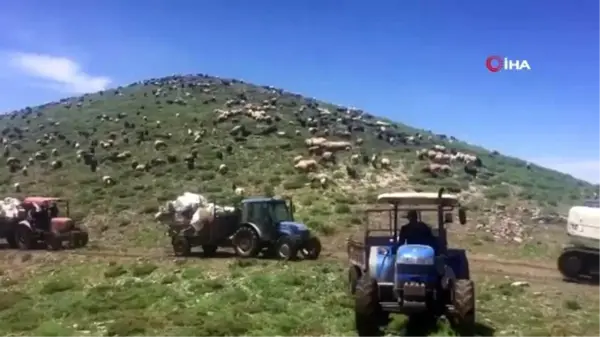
x=57, y=72
x=586, y=169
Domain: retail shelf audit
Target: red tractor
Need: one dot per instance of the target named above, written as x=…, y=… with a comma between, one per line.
x=44, y=223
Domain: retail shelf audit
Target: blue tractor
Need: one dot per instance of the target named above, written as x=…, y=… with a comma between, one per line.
x=267, y=224
x=418, y=280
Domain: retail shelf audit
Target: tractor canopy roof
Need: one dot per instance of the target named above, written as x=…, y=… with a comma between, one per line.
x=40, y=200
x=419, y=199
x=261, y=199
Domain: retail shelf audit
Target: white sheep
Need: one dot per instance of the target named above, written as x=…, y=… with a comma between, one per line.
x=159, y=144
x=306, y=165
x=108, y=180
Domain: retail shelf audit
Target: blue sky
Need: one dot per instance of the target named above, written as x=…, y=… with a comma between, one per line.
x=418, y=62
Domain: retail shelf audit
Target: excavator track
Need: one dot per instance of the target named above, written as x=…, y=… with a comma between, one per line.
x=578, y=263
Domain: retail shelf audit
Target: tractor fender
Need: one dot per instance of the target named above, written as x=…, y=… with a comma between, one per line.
x=458, y=262
x=25, y=223
x=256, y=228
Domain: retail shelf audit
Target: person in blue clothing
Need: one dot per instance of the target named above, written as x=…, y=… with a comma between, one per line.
x=416, y=232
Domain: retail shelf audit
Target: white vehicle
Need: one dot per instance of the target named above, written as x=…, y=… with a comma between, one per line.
x=580, y=258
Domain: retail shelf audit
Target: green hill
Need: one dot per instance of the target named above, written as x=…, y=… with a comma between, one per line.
x=119, y=154
x=159, y=137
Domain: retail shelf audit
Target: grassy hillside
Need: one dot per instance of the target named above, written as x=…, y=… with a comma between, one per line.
x=258, y=152
x=223, y=138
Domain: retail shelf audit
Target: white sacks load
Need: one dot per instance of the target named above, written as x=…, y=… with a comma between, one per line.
x=190, y=209
x=10, y=209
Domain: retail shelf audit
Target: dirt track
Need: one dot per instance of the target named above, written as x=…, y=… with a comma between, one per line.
x=479, y=264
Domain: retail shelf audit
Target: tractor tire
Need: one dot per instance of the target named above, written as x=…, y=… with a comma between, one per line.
x=209, y=250
x=311, y=248
x=181, y=246
x=246, y=242
x=367, y=310
x=286, y=248
x=570, y=264
x=463, y=300
x=11, y=239
x=52, y=242
x=353, y=277
x=24, y=238
x=82, y=240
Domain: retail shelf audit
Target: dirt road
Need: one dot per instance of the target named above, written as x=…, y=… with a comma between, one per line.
x=15, y=260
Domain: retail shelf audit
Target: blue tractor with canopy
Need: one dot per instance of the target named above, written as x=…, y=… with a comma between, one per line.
x=267, y=224
x=418, y=280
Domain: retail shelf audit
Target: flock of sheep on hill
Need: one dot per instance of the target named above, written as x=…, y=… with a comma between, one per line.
x=328, y=131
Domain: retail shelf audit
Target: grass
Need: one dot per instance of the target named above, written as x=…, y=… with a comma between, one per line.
x=252, y=297
x=66, y=296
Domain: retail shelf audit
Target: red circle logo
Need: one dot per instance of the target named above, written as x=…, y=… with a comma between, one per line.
x=494, y=66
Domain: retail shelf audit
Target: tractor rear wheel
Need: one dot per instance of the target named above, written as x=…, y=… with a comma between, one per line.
x=246, y=242
x=367, y=310
x=52, y=241
x=463, y=300
x=311, y=248
x=286, y=248
x=24, y=238
x=209, y=250
x=181, y=246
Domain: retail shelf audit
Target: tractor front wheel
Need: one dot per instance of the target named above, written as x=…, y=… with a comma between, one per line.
x=463, y=300
x=311, y=248
x=24, y=238
x=181, y=246
x=246, y=242
x=286, y=248
x=367, y=310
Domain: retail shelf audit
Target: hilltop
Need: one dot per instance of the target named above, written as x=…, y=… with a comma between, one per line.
x=158, y=137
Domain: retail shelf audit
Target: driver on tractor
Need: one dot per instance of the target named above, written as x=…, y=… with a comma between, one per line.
x=40, y=217
x=416, y=232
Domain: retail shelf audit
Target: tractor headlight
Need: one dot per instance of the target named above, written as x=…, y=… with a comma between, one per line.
x=408, y=259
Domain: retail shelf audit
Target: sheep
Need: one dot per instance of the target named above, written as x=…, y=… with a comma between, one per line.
x=385, y=163
x=141, y=167
x=354, y=159
x=108, y=180
x=56, y=164
x=24, y=171
x=352, y=173
x=297, y=159
x=222, y=168
x=239, y=191
x=40, y=155
x=470, y=170
x=320, y=179
x=17, y=187
x=159, y=144
x=306, y=165
x=328, y=156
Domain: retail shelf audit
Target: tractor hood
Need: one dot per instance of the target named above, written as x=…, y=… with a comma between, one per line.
x=293, y=227
x=415, y=255
x=60, y=224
